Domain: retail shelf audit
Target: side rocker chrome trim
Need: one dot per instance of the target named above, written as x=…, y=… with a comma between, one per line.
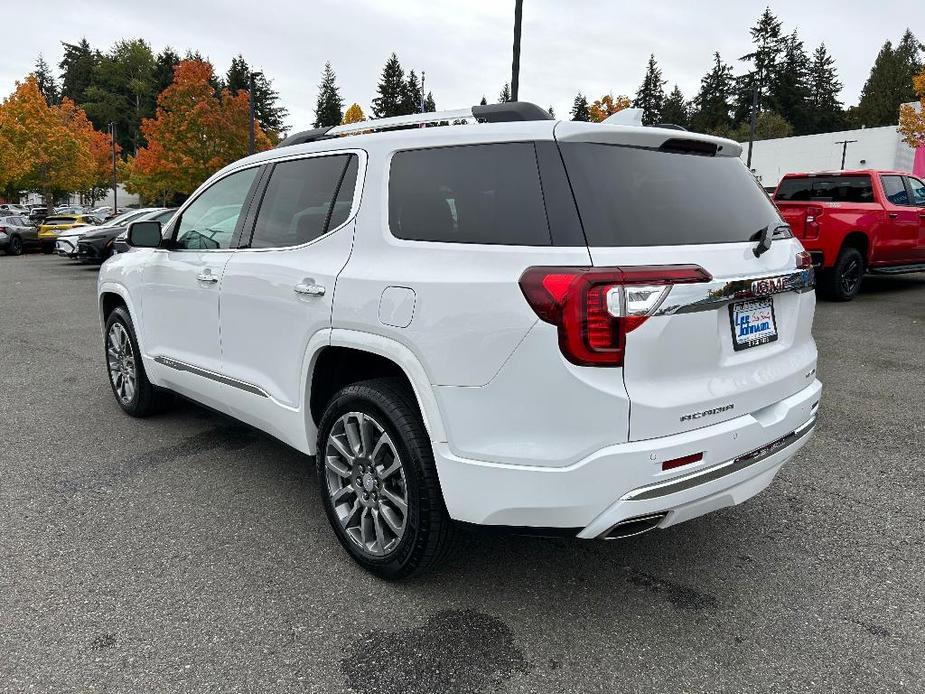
x=211, y=375
x=653, y=491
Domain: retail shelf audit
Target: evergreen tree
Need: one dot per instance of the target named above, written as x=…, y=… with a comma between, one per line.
x=430, y=106
x=329, y=107
x=889, y=83
x=651, y=94
x=47, y=83
x=164, y=65
x=675, y=109
x=580, y=108
x=711, y=106
x=267, y=110
x=789, y=85
x=77, y=68
x=552, y=114
x=237, y=78
x=484, y=101
x=766, y=37
x=411, y=95
x=825, y=108
x=505, y=94
x=391, y=89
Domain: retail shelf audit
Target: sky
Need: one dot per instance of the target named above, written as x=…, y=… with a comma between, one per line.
x=592, y=46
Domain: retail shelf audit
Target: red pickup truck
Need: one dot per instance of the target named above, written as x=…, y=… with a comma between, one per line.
x=854, y=222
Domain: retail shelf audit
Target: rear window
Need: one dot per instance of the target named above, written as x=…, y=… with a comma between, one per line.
x=468, y=194
x=630, y=196
x=826, y=189
x=59, y=220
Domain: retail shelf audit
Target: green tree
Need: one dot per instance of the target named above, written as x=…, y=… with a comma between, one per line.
x=789, y=85
x=505, y=94
x=484, y=101
x=237, y=78
x=329, y=108
x=769, y=125
x=411, y=95
x=46, y=81
x=651, y=94
x=675, y=109
x=430, y=106
x=164, y=65
x=390, y=90
x=551, y=112
x=889, y=83
x=580, y=110
x=77, y=67
x=269, y=114
x=766, y=38
x=825, y=108
x=711, y=106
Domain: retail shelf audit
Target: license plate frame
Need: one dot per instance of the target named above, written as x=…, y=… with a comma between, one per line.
x=738, y=309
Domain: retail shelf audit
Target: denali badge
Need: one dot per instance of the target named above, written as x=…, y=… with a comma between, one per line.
x=707, y=413
x=769, y=285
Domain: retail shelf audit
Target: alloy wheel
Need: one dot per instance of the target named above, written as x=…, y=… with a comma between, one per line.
x=366, y=483
x=121, y=361
x=851, y=276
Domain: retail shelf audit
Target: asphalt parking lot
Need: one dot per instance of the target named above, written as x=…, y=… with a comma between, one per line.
x=187, y=552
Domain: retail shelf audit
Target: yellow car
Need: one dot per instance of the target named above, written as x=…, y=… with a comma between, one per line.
x=53, y=225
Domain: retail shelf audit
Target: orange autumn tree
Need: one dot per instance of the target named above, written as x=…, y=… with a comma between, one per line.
x=192, y=135
x=912, y=119
x=45, y=148
x=608, y=105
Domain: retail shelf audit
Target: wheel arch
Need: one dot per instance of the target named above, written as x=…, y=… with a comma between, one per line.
x=858, y=240
x=111, y=295
x=352, y=356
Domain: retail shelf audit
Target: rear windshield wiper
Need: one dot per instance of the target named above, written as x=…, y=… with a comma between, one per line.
x=764, y=236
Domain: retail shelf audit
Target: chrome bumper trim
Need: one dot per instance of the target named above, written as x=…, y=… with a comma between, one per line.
x=708, y=296
x=678, y=484
x=211, y=375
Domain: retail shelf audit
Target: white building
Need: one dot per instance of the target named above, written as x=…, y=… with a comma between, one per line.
x=125, y=199
x=872, y=148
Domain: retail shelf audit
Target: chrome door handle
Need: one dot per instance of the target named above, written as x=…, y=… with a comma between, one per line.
x=309, y=289
x=206, y=277
x=893, y=215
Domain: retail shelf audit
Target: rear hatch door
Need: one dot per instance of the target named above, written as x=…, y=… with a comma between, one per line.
x=734, y=345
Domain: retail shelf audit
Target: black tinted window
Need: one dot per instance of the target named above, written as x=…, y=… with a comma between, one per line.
x=298, y=203
x=640, y=197
x=468, y=194
x=918, y=191
x=895, y=190
x=826, y=189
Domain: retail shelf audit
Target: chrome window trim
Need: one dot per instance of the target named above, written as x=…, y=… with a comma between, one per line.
x=715, y=472
x=709, y=296
x=178, y=365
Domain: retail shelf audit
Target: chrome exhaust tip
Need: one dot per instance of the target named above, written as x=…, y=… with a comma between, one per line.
x=634, y=526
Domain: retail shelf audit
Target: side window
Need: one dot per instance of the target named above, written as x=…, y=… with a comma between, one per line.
x=305, y=198
x=209, y=222
x=918, y=191
x=895, y=190
x=468, y=194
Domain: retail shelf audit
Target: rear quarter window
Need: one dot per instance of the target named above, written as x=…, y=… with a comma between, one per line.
x=488, y=194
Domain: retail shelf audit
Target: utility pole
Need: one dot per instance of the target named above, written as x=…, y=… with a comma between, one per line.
x=515, y=65
x=754, y=119
x=251, y=135
x=423, y=109
x=844, y=150
x=112, y=134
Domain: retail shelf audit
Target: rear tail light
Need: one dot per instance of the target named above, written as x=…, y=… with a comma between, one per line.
x=804, y=260
x=595, y=308
x=679, y=462
x=812, y=224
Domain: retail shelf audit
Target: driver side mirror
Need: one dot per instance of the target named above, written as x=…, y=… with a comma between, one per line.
x=144, y=235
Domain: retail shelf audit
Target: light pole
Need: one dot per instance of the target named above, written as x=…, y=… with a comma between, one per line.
x=422, y=92
x=753, y=121
x=844, y=150
x=515, y=64
x=112, y=137
x=251, y=129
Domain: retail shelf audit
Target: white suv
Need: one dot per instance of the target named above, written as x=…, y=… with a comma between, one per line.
x=564, y=327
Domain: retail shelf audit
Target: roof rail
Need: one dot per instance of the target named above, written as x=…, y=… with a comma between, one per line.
x=490, y=113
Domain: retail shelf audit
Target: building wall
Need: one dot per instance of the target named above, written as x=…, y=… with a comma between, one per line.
x=124, y=199
x=876, y=148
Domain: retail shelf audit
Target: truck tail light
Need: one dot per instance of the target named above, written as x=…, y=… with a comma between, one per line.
x=595, y=308
x=804, y=260
x=811, y=227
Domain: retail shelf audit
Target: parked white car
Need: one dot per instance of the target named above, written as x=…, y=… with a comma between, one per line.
x=569, y=327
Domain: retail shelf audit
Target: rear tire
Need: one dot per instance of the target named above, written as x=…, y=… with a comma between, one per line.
x=373, y=456
x=127, y=378
x=842, y=282
x=14, y=246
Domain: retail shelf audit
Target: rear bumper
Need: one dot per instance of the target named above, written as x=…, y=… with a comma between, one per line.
x=624, y=481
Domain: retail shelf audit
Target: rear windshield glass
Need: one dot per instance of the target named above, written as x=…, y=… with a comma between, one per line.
x=60, y=220
x=468, y=194
x=630, y=196
x=826, y=189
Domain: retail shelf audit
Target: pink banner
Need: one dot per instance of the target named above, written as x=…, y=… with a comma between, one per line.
x=918, y=164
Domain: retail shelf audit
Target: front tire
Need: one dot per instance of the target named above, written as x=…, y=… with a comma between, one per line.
x=127, y=378
x=14, y=247
x=378, y=482
x=842, y=282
